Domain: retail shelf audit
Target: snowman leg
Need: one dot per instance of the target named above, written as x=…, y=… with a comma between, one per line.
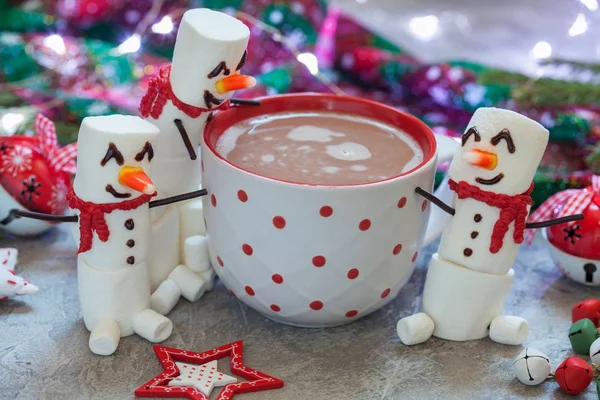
x=105, y=337
x=165, y=297
x=208, y=277
x=415, y=329
x=152, y=326
x=191, y=221
x=191, y=285
x=164, y=250
x=195, y=253
x=462, y=302
x=508, y=329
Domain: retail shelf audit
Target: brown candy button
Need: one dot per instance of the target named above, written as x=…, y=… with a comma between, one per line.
x=130, y=243
x=477, y=217
x=467, y=252
x=129, y=224
x=130, y=260
x=474, y=234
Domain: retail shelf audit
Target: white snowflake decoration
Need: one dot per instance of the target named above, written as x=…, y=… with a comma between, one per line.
x=16, y=161
x=58, y=197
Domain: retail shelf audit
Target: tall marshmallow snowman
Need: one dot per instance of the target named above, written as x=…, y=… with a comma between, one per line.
x=469, y=278
x=209, y=53
x=111, y=194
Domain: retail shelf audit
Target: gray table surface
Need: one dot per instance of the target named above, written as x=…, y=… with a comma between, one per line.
x=44, y=353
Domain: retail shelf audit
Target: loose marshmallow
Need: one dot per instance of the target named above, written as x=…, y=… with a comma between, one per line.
x=508, y=329
x=128, y=134
x=196, y=253
x=165, y=297
x=105, y=337
x=532, y=367
x=208, y=276
x=529, y=139
x=462, y=303
x=204, y=39
x=415, y=329
x=152, y=326
x=192, y=287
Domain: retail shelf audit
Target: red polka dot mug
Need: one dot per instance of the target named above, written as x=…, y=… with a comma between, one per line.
x=311, y=255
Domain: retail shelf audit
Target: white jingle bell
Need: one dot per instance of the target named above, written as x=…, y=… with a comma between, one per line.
x=532, y=367
x=595, y=352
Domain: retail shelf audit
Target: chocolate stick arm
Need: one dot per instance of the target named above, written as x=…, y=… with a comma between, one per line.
x=545, y=224
x=428, y=196
x=14, y=214
x=178, y=198
x=186, y=139
x=244, y=102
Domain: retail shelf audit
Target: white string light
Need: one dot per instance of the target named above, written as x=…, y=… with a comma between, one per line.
x=164, y=26
x=131, y=45
x=541, y=50
x=311, y=62
x=424, y=28
x=55, y=43
x=592, y=5
x=579, y=27
x=11, y=121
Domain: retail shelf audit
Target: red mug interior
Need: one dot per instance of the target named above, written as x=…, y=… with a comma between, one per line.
x=315, y=102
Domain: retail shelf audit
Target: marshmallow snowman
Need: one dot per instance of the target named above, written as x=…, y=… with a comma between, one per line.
x=209, y=52
x=111, y=192
x=470, y=276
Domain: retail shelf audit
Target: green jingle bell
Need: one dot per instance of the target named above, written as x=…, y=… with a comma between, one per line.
x=582, y=334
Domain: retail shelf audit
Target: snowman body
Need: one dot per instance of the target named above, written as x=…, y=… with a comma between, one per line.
x=466, y=239
x=113, y=276
x=210, y=46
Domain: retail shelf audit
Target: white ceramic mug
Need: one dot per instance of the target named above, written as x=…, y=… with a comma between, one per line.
x=312, y=255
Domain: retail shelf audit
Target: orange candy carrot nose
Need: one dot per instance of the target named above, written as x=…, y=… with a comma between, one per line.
x=234, y=82
x=481, y=158
x=135, y=178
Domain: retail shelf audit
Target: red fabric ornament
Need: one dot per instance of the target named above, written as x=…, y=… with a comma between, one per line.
x=512, y=208
x=574, y=375
x=589, y=308
x=91, y=217
x=87, y=12
x=160, y=91
x=35, y=171
x=578, y=238
x=157, y=386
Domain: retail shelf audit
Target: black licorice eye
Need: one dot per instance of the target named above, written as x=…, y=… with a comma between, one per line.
x=472, y=131
x=221, y=67
x=146, y=150
x=111, y=153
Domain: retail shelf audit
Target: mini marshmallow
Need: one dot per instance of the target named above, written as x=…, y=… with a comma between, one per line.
x=192, y=287
x=152, y=326
x=517, y=161
x=128, y=135
x=165, y=297
x=196, y=255
x=105, y=337
x=208, y=276
x=462, y=303
x=508, y=329
x=204, y=39
x=415, y=329
x=532, y=367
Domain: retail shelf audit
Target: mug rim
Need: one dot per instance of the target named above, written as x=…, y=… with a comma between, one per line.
x=224, y=119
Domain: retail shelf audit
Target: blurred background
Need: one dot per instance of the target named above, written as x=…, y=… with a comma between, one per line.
x=438, y=60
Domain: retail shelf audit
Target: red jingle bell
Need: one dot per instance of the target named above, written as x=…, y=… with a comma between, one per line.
x=574, y=375
x=589, y=308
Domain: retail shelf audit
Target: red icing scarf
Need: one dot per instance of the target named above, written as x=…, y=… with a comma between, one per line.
x=91, y=217
x=160, y=91
x=512, y=208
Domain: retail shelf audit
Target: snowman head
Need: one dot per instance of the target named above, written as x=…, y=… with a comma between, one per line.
x=114, y=157
x=209, y=53
x=500, y=151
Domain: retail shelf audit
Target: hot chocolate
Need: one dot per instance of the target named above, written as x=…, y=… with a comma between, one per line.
x=319, y=148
